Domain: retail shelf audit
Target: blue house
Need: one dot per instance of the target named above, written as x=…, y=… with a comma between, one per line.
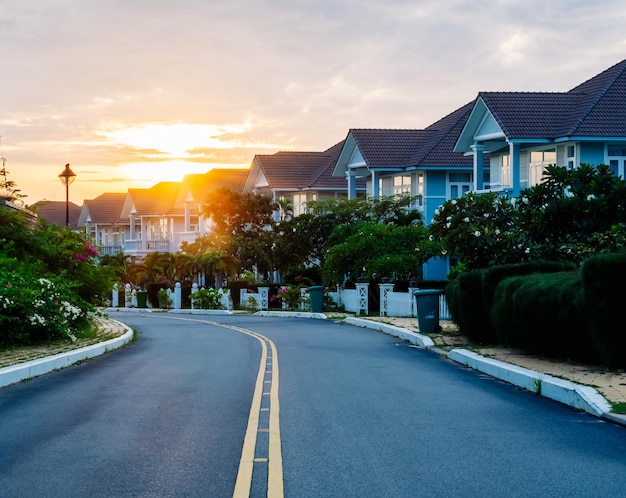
x=523, y=132
x=419, y=162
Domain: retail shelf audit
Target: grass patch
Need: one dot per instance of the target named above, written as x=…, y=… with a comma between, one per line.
x=618, y=408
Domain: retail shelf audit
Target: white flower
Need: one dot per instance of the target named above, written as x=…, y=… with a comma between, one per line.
x=437, y=212
x=477, y=233
x=448, y=225
x=453, y=202
x=449, y=218
x=525, y=200
x=513, y=201
x=591, y=197
x=497, y=232
x=486, y=215
x=527, y=251
x=568, y=193
x=466, y=219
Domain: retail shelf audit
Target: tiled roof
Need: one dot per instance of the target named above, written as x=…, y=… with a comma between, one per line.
x=301, y=170
x=105, y=208
x=53, y=212
x=157, y=200
x=199, y=185
x=438, y=151
x=531, y=114
x=595, y=108
x=390, y=148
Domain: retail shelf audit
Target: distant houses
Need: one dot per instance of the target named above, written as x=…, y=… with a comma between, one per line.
x=501, y=141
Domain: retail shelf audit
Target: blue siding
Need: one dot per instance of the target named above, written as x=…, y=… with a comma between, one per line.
x=592, y=153
x=435, y=187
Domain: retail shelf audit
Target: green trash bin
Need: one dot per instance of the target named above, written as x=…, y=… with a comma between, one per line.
x=141, y=299
x=427, y=303
x=316, y=298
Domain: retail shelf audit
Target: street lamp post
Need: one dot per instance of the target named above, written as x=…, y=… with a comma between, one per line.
x=67, y=177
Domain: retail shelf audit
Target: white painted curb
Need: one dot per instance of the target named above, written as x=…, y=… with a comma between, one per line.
x=292, y=314
x=412, y=337
x=564, y=391
x=30, y=369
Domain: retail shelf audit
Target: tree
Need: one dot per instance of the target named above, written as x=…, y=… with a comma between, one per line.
x=378, y=250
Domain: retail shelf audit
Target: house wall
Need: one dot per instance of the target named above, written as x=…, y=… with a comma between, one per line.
x=435, y=193
x=592, y=153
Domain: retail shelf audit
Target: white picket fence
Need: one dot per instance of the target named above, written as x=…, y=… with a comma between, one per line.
x=398, y=304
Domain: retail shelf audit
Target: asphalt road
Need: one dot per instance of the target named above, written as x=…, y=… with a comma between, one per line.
x=361, y=415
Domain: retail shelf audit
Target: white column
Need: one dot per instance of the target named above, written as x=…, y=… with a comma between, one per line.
x=514, y=152
x=178, y=296
x=115, y=301
x=375, y=184
x=264, y=298
x=351, y=184
x=478, y=166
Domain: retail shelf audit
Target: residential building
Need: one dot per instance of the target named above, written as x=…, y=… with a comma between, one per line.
x=418, y=162
x=523, y=132
x=298, y=177
x=54, y=212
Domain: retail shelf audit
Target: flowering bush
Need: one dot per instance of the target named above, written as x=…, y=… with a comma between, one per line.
x=208, y=299
x=34, y=309
x=290, y=296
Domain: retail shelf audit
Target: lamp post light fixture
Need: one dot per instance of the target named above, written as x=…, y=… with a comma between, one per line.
x=67, y=177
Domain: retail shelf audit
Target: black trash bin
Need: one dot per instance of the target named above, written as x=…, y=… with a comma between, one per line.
x=427, y=303
x=316, y=298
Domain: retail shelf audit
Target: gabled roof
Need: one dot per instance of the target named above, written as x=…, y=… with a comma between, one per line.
x=106, y=208
x=53, y=212
x=297, y=170
x=157, y=200
x=196, y=187
x=389, y=148
x=438, y=151
x=593, y=109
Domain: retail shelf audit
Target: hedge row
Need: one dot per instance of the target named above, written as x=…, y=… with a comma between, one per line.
x=546, y=308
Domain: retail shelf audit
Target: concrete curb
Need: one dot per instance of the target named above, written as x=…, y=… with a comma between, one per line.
x=30, y=369
x=563, y=391
x=412, y=337
x=292, y=314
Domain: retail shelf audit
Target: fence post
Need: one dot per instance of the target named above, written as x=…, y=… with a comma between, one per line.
x=115, y=297
x=178, y=296
x=385, y=290
x=412, y=291
x=362, y=298
x=264, y=293
x=128, y=296
x=194, y=289
x=134, y=298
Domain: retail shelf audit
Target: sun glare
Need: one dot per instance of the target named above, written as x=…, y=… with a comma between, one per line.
x=176, y=140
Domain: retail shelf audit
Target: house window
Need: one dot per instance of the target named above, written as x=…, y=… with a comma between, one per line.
x=617, y=159
x=299, y=204
x=505, y=164
x=459, y=184
x=402, y=185
x=539, y=159
x=419, y=190
x=571, y=156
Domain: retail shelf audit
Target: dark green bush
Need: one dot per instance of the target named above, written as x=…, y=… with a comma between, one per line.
x=542, y=313
x=464, y=297
x=603, y=277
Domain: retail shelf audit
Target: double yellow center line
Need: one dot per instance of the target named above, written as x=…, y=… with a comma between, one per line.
x=264, y=401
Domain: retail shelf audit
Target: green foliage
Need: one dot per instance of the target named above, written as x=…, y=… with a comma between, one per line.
x=377, y=250
x=464, y=297
x=208, y=299
x=569, y=216
x=603, y=278
x=35, y=308
x=543, y=313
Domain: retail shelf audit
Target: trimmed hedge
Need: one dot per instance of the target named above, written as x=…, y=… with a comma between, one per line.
x=543, y=313
x=464, y=297
x=603, y=277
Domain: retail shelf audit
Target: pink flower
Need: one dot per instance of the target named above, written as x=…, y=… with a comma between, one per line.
x=79, y=257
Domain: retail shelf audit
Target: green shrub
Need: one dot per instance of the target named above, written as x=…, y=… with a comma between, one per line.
x=542, y=313
x=464, y=297
x=208, y=299
x=603, y=277
x=35, y=308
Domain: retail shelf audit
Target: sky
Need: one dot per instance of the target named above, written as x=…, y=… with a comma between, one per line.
x=133, y=92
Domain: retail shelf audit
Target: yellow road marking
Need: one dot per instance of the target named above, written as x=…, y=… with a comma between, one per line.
x=275, y=487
